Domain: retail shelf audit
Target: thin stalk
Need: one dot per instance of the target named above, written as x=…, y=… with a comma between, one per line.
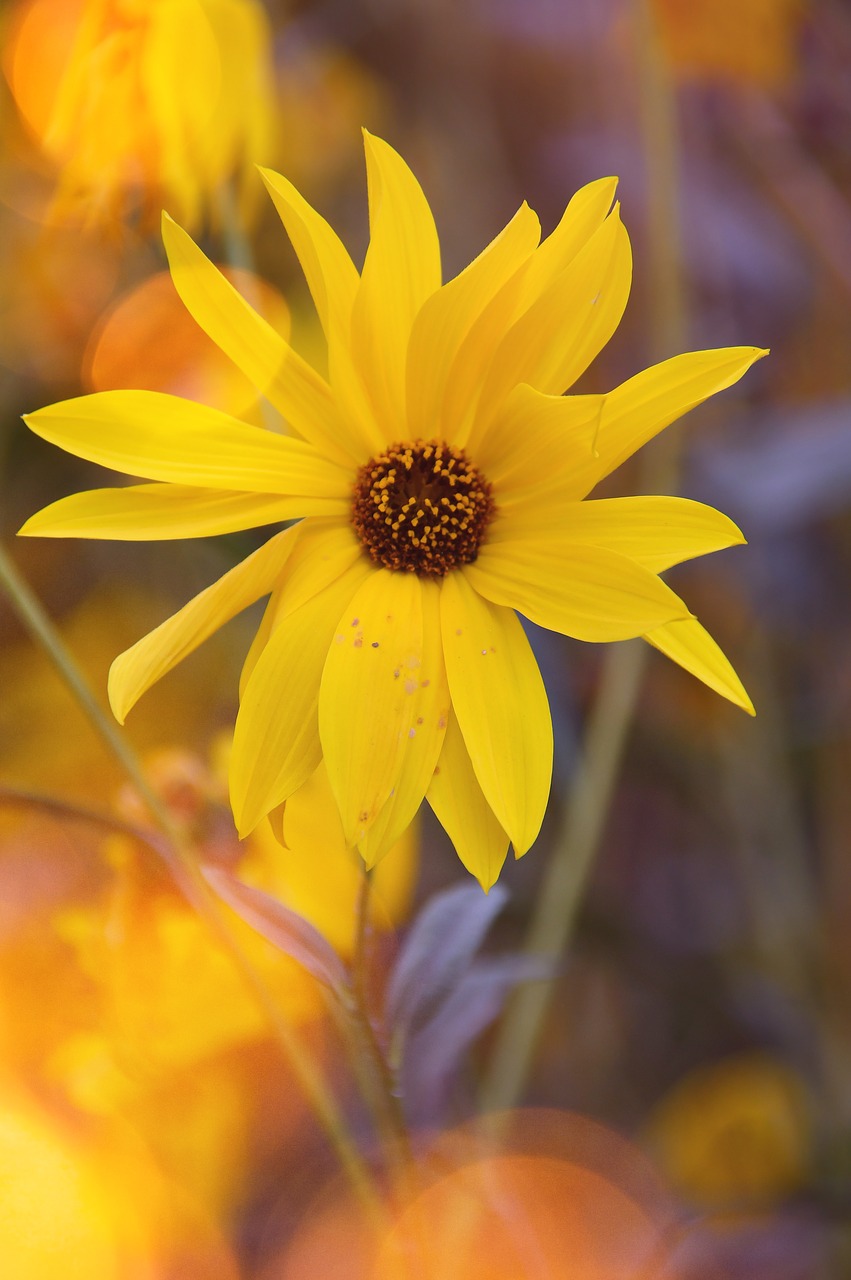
x=181, y=862
x=384, y=1096
x=607, y=730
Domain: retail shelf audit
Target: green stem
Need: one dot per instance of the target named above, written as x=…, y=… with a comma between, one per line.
x=608, y=727
x=181, y=861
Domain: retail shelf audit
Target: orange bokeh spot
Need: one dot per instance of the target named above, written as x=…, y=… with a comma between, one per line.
x=35, y=56
x=531, y=1193
x=148, y=341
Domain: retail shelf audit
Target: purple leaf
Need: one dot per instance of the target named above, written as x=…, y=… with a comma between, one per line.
x=287, y=930
x=443, y=940
x=433, y=1053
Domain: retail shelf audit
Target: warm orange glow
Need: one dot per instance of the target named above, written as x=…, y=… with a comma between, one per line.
x=149, y=341
x=752, y=41
x=143, y=104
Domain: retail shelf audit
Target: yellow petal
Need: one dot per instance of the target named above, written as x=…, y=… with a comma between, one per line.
x=445, y=319
x=162, y=437
x=135, y=670
x=639, y=409
x=583, y=591
x=380, y=680
x=464, y=813
x=158, y=511
x=687, y=643
x=584, y=214
x=276, y=738
x=401, y=270
x=536, y=441
x=655, y=532
x=501, y=705
x=329, y=271
x=566, y=327
x=424, y=739
x=266, y=359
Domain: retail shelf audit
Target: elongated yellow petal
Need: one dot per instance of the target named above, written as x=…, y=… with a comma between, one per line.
x=160, y=511
x=446, y=317
x=639, y=409
x=380, y=679
x=462, y=810
x=292, y=386
x=162, y=437
x=501, y=705
x=583, y=591
x=424, y=739
x=536, y=441
x=276, y=739
x=329, y=271
x=325, y=550
x=687, y=643
x=654, y=532
x=585, y=213
x=566, y=327
x=401, y=270
x=135, y=670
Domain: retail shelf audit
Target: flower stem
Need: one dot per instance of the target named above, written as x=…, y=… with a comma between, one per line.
x=378, y=1078
x=181, y=861
x=609, y=723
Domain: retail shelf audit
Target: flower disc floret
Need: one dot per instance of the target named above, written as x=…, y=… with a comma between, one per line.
x=422, y=508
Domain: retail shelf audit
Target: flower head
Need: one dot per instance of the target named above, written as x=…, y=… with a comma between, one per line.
x=439, y=478
x=144, y=102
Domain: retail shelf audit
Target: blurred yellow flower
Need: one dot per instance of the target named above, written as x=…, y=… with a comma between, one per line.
x=144, y=103
x=440, y=474
x=735, y=1135
x=750, y=41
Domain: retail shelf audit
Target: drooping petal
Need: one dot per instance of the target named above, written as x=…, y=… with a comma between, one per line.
x=425, y=739
x=160, y=511
x=655, y=532
x=380, y=679
x=276, y=739
x=586, y=592
x=278, y=372
x=501, y=704
x=162, y=437
x=585, y=213
x=687, y=643
x=401, y=270
x=446, y=318
x=135, y=670
x=556, y=339
x=462, y=810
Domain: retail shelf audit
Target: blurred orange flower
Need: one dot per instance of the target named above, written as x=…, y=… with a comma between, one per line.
x=144, y=103
x=748, y=41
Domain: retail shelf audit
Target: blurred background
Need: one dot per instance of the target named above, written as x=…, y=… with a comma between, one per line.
x=702, y=1008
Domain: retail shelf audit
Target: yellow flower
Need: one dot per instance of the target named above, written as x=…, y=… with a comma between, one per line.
x=153, y=102
x=439, y=477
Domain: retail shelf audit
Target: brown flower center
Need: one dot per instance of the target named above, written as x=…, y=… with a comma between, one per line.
x=422, y=508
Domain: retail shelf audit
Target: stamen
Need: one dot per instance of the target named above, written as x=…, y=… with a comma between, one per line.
x=422, y=508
